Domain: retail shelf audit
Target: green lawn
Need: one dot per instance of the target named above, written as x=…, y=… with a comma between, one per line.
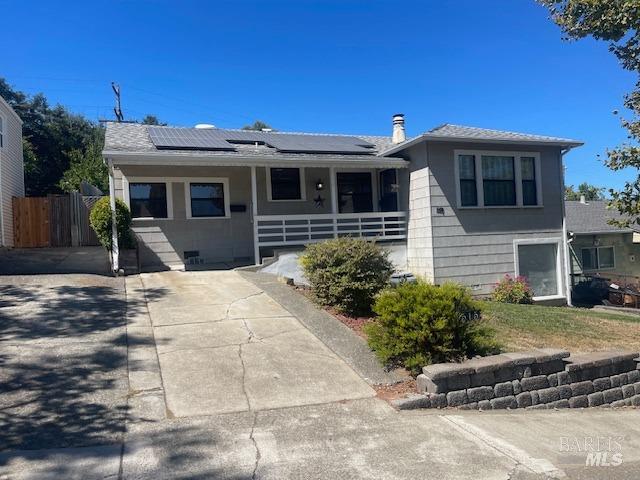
x=520, y=327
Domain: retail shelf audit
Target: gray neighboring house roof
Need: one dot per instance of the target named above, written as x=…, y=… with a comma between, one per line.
x=133, y=139
x=591, y=218
x=459, y=133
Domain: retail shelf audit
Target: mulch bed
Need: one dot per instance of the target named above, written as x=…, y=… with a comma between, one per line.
x=387, y=392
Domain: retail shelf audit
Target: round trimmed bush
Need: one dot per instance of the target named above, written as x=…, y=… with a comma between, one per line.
x=346, y=273
x=419, y=323
x=100, y=220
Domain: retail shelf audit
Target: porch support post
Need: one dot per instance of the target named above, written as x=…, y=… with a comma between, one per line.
x=254, y=213
x=115, y=250
x=333, y=182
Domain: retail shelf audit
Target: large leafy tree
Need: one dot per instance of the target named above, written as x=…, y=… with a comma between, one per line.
x=257, y=125
x=86, y=164
x=590, y=192
x=50, y=134
x=152, y=120
x=616, y=22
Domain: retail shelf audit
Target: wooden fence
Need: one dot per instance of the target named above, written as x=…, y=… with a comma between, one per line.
x=53, y=221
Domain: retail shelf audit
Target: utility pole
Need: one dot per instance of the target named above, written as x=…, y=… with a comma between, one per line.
x=117, y=110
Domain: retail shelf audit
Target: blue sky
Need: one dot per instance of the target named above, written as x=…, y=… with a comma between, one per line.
x=325, y=66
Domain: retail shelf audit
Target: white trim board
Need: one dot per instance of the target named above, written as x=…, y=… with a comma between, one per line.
x=541, y=241
x=303, y=186
x=517, y=177
x=225, y=192
x=167, y=181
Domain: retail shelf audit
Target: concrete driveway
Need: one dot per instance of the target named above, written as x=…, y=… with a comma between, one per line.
x=225, y=346
x=216, y=380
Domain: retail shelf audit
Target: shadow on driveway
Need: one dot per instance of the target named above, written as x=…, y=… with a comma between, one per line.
x=63, y=361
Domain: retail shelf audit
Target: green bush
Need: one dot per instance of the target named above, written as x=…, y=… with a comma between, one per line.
x=100, y=219
x=419, y=323
x=512, y=290
x=346, y=273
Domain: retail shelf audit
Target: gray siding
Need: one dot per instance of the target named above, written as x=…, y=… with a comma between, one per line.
x=218, y=240
x=12, y=171
x=623, y=247
x=476, y=246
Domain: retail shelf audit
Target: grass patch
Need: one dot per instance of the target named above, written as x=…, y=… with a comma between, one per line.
x=520, y=327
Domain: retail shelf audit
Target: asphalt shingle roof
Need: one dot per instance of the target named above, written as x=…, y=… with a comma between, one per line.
x=460, y=131
x=134, y=137
x=591, y=217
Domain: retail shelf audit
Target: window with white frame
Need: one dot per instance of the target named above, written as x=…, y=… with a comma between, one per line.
x=285, y=184
x=497, y=179
x=148, y=199
x=207, y=197
x=539, y=262
x=596, y=258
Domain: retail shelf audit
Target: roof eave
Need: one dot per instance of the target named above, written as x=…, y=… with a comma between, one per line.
x=152, y=158
x=437, y=138
x=602, y=232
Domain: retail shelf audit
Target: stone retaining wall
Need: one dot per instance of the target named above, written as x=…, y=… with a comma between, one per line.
x=536, y=379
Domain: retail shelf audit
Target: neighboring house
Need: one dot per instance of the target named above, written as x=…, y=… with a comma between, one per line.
x=599, y=248
x=11, y=169
x=467, y=204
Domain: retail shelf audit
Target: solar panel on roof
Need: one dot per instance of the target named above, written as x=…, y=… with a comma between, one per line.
x=217, y=139
x=188, y=138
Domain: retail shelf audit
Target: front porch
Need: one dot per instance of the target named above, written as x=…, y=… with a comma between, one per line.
x=354, y=202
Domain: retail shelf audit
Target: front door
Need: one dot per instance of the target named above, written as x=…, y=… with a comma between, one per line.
x=355, y=194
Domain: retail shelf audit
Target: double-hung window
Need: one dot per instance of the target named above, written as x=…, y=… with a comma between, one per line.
x=497, y=179
x=468, y=187
x=285, y=184
x=596, y=258
x=207, y=199
x=148, y=199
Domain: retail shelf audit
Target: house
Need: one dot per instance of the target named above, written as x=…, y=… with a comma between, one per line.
x=11, y=169
x=600, y=249
x=466, y=204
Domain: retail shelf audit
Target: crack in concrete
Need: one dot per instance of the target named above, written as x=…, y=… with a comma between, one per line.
x=255, y=445
x=239, y=300
x=244, y=374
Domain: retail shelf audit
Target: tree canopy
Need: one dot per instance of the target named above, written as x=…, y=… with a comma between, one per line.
x=590, y=192
x=616, y=22
x=257, y=125
x=152, y=120
x=51, y=137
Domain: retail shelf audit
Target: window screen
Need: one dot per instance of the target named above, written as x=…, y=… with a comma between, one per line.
x=498, y=180
x=468, y=188
x=148, y=200
x=539, y=264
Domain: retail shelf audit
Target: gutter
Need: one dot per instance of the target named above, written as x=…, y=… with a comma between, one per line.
x=152, y=157
x=565, y=238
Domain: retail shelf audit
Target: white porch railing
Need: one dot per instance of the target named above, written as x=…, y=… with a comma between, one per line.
x=279, y=230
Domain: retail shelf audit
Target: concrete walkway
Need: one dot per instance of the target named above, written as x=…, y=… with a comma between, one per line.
x=225, y=346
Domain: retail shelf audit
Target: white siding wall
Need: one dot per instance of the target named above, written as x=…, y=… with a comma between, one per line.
x=419, y=233
x=11, y=170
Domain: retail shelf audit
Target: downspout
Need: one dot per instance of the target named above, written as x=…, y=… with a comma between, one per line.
x=565, y=238
x=115, y=250
x=2, y=244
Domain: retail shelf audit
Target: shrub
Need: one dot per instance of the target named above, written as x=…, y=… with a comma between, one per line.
x=346, y=273
x=419, y=323
x=510, y=290
x=100, y=219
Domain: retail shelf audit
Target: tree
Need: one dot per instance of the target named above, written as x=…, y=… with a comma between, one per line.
x=86, y=164
x=590, y=192
x=258, y=125
x=616, y=22
x=152, y=120
x=49, y=134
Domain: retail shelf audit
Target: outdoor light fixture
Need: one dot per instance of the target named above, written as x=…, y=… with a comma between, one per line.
x=319, y=185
